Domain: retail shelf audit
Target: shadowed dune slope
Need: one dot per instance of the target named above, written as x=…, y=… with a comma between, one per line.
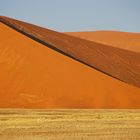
x=121, y=64
x=35, y=76
x=124, y=40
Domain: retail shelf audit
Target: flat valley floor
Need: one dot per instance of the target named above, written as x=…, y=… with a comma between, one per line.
x=69, y=124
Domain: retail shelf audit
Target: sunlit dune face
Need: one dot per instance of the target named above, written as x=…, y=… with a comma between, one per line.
x=124, y=40
x=115, y=62
x=35, y=76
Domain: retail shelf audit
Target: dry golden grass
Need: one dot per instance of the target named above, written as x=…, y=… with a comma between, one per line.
x=69, y=124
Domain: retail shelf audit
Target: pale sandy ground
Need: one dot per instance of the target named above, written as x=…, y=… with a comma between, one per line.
x=123, y=40
x=35, y=76
x=69, y=124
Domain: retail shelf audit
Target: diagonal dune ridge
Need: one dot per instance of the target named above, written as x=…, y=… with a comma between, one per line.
x=35, y=76
x=121, y=64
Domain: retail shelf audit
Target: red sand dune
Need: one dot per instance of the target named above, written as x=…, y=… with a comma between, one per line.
x=123, y=40
x=121, y=64
x=36, y=76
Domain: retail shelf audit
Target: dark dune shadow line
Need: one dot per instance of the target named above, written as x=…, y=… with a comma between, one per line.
x=56, y=49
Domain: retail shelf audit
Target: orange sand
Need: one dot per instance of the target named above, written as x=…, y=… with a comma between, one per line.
x=123, y=40
x=35, y=76
x=116, y=62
